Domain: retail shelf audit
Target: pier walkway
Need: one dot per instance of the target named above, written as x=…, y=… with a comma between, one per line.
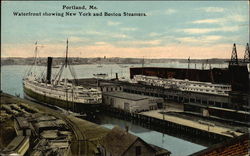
x=194, y=124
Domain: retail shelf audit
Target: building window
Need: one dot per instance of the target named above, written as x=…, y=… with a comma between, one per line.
x=138, y=150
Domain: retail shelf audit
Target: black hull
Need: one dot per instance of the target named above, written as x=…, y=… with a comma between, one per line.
x=53, y=102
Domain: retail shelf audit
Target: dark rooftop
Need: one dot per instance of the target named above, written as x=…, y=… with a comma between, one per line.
x=118, y=141
x=220, y=146
x=22, y=122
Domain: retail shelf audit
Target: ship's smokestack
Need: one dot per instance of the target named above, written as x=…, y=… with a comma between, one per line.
x=116, y=76
x=49, y=68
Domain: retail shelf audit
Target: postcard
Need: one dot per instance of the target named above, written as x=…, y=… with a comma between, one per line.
x=114, y=78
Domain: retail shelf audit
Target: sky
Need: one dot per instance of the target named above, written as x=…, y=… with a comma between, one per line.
x=180, y=29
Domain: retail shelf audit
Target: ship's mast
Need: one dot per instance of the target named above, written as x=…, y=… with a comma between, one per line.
x=35, y=54
x=66, y=58
x=65, y=65
x=35, y=60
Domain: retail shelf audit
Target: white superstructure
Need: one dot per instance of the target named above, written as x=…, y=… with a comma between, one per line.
x=70, y=93
x=184, y=85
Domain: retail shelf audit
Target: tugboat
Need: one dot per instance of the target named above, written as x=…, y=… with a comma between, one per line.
x=59, y=91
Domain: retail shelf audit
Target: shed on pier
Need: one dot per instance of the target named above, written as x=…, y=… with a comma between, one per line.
x=131, y=102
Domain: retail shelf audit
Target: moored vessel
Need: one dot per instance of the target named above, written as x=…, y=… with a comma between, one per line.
x=59, y=90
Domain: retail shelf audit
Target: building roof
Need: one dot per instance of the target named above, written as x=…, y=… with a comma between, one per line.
x=242, y=141
x=160, y=151
x=22, y=122
x=128, y=96
x=118, y=141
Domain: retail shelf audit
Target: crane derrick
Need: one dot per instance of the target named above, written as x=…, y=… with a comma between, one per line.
x=247, y=55
x=234, y=58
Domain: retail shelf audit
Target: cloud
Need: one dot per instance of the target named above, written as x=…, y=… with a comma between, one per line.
x=118, y=36
x=128, y=29
x=77, y=39
x=101, y=43
x=154, y=34
x=237, y=18
x=139, y=43
x=82, y=32
x=212, y=9
x=112, y=23
x=200, y=40
x=224, y=20
x=162, y=12
x=206, y=21
x=209, y=30
x=151, y=42
x=93, y=32
x=79, y=35
x=170, y=11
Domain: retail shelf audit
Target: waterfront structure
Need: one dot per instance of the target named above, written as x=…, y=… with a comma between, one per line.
x=131, y=102
x=58, y=91
x=119, y=142
x=184, y=85
x=212, y=112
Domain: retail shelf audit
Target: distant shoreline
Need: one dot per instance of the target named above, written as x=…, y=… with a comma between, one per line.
x=98, y=60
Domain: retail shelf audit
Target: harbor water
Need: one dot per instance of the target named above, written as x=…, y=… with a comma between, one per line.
x=11, y=82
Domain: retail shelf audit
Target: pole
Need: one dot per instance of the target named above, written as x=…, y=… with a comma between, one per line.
x=66, y=59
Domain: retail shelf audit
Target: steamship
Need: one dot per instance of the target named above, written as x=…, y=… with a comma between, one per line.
x=184, y=85
x=59, y=91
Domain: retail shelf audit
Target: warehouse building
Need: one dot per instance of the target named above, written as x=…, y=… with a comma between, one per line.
x=131, y=102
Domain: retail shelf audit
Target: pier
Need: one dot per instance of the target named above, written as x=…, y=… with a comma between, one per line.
x=176, y=126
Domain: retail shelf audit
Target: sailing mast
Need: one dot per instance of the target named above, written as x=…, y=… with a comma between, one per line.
x=66, y=59
x=35, y=61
